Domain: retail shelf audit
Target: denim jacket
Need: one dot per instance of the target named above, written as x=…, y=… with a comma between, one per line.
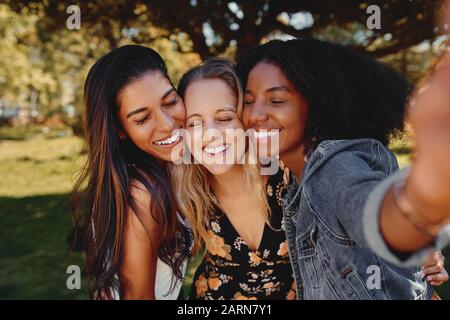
x=331, y=221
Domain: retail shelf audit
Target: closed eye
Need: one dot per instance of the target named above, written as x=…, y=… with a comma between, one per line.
x=142, y=120
x=171, y=102
x=195, y=124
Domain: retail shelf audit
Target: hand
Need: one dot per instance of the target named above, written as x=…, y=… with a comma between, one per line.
x=433, y=269
x=429, y=182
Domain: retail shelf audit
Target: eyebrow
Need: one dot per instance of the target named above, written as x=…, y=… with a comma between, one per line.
x=168, y=92
x=233, y=109
x=136, y=111
x=278, y=88
x=219, y=110
x=272, y=89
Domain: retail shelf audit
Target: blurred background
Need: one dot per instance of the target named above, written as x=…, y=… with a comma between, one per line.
x=45, y=57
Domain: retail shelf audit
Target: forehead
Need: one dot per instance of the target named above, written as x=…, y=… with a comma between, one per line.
x=206, y=96
x=145, y=91
x=265, y=75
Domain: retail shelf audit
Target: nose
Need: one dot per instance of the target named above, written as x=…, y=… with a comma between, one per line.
x=256, y=114
x=210, y=133
x=165, y=121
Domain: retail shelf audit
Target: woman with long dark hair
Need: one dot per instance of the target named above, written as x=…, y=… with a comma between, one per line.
x=137, y=244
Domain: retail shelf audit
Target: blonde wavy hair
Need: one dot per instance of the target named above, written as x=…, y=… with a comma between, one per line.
x=192, y=190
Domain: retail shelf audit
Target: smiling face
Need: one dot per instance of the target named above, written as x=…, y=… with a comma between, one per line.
x=149, y=112
x=211, y=124
x=272, y=103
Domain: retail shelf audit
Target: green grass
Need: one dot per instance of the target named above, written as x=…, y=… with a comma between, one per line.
x=38, y=166
x=36, y=175
x=36, y=171
x=34, y=248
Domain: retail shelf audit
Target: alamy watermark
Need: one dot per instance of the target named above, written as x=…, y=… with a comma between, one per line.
x=229, y=146
x=373, y=281
x=374, y=20
x=73, y=281
x=73, y=22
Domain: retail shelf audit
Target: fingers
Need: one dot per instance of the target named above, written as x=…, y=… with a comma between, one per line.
x=437, y=279
x=434, y=259
x=432, y=270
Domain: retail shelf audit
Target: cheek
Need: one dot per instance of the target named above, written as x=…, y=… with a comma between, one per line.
x=193, y=141
x=233, y=131
x=245, y=114
x=178, y=112
x=293, y=121
x=140, y=135
x=238, y=124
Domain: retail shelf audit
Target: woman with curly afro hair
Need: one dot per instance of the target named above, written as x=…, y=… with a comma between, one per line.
x=353, y=218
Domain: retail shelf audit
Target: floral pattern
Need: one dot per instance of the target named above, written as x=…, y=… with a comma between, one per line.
x=231, y=270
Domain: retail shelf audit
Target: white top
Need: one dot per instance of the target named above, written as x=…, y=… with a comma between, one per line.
x=164, y=276
x=163, y=281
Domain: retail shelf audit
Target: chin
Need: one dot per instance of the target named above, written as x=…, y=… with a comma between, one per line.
x=166, y=157
x=265, y=152
x=218, y=169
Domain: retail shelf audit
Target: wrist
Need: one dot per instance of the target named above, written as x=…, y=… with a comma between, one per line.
x=428, y=194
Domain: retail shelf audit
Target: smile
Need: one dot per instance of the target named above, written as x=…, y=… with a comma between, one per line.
x=175, y=138
x=215, y=151
x=265, y=133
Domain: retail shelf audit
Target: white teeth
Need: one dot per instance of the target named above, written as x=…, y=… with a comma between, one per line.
x=216, y=150
x=170, y=140
x=265, y=134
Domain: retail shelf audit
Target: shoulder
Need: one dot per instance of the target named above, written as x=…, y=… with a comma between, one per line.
x=351, y=156
x=139, y=192
x=140, y=219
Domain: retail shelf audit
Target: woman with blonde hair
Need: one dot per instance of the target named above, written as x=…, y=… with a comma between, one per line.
x=224, y=196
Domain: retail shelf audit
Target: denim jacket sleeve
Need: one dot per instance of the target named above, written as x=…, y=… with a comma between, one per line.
x=371, y=223
x=345, y=182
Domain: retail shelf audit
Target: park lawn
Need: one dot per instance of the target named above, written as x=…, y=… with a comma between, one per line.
x=36, y=175
x=35, y=180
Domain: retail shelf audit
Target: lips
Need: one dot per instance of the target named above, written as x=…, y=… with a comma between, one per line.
x=170, y=141
x=217, y=150
x=265, y=133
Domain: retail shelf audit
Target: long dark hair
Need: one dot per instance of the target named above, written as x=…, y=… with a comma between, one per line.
x=350, y=95
x=102, y=194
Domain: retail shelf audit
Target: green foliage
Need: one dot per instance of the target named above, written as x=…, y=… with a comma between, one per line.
x=41, y=58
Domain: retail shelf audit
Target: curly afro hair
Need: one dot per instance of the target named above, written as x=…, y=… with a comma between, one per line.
x=350, y=95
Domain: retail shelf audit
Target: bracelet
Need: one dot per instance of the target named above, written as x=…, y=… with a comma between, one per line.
x=416, y=219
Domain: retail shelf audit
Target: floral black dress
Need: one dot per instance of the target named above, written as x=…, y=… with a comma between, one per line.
x=230, y=270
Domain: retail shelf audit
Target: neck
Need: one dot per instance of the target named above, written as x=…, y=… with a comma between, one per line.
x=229, y=182
x=294, y=159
